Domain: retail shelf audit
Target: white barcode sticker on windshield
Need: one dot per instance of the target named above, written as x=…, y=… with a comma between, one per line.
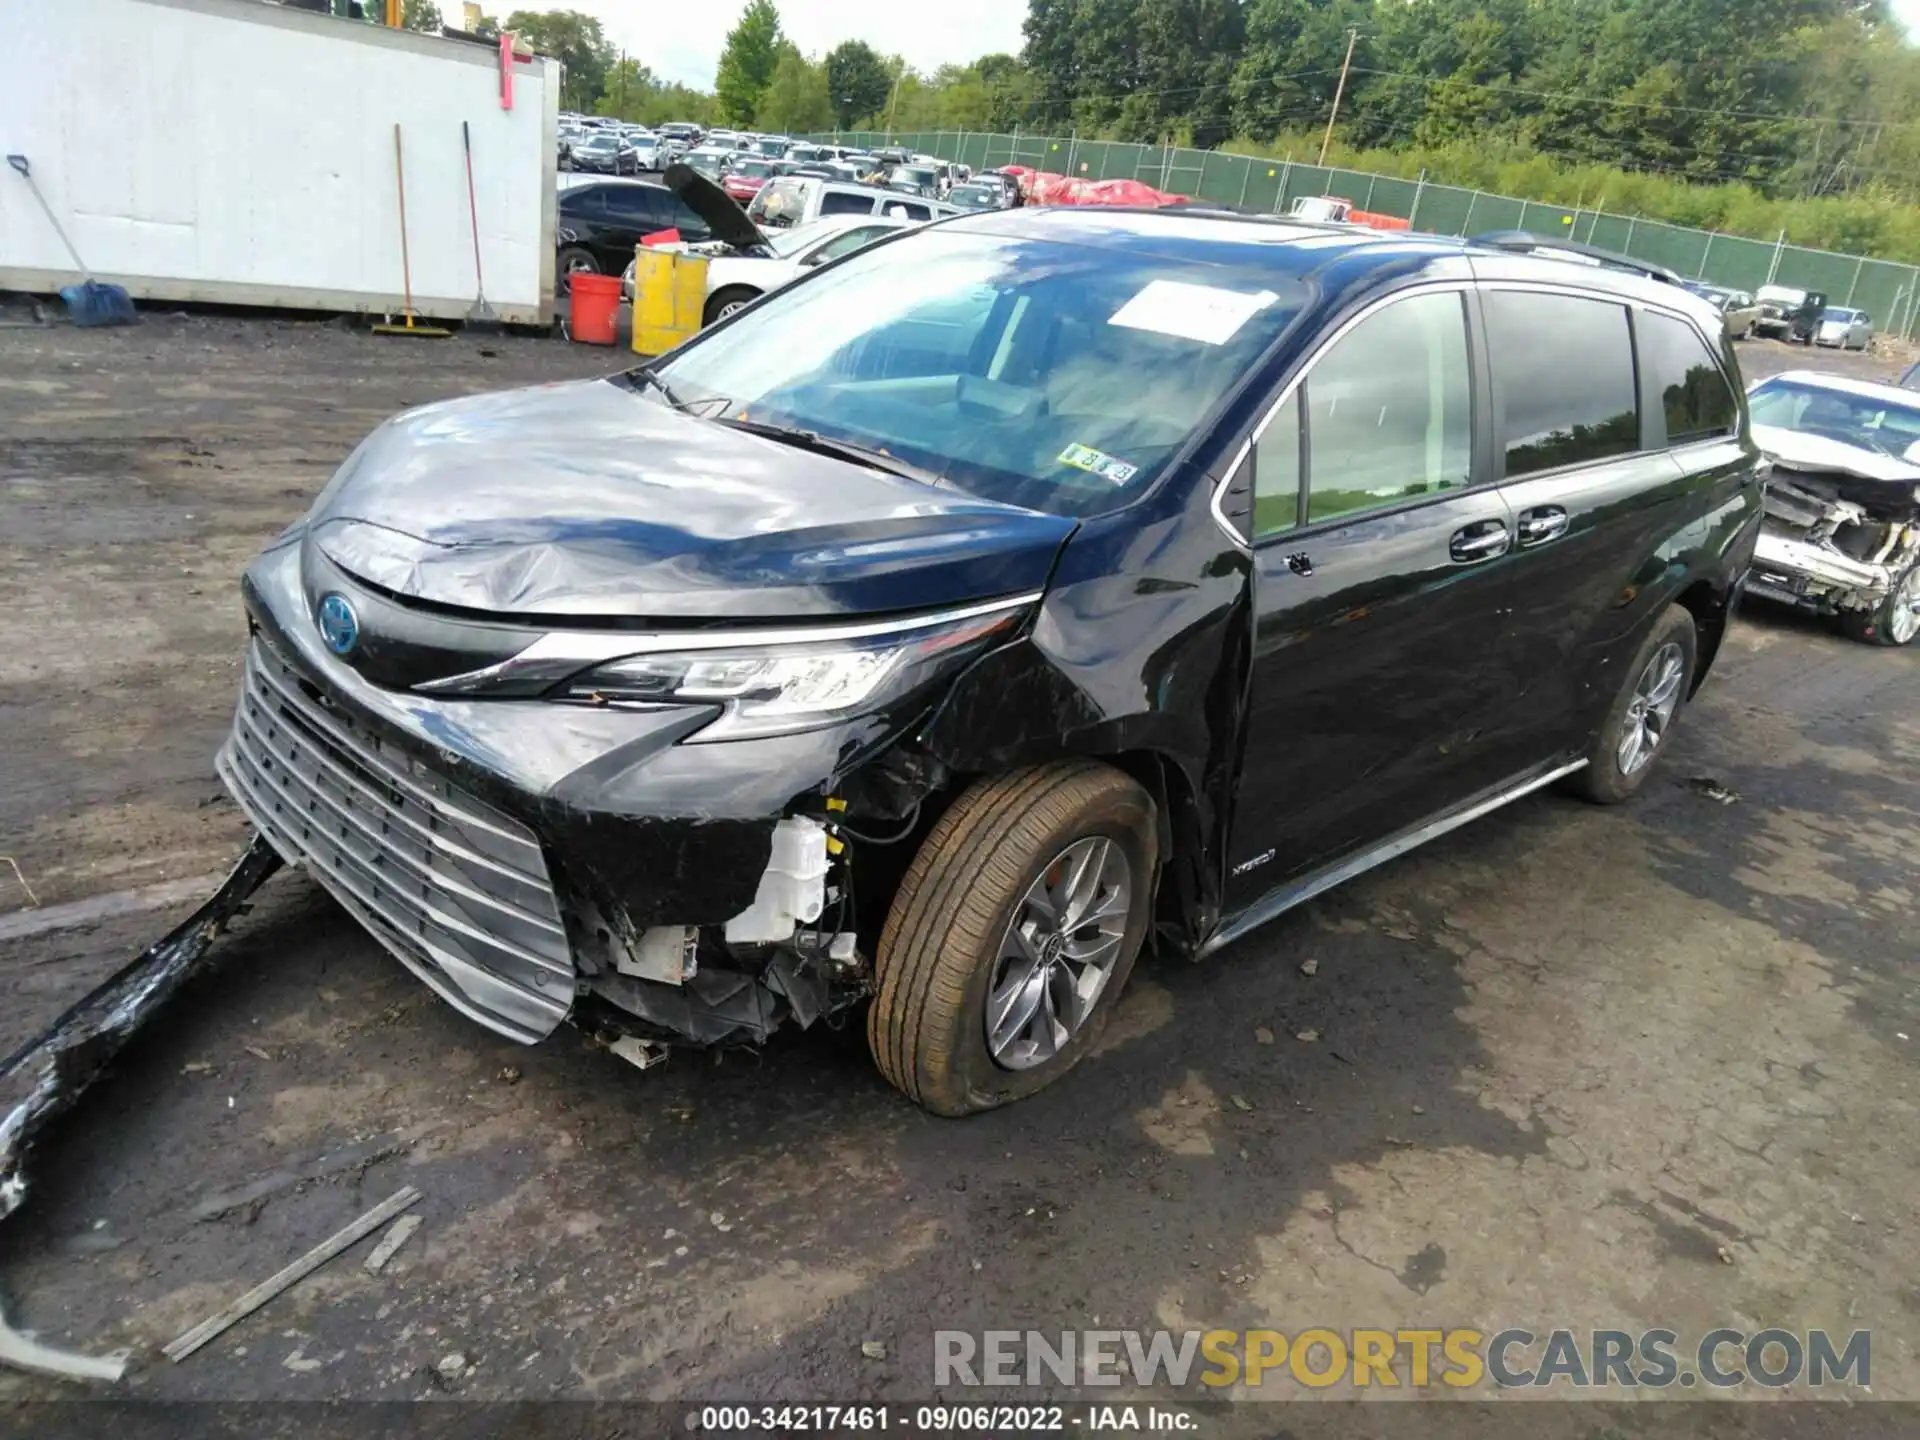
x=1098, y=462
x=1191, y=312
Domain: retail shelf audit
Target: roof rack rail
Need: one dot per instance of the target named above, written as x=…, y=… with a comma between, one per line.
x=1525, y=242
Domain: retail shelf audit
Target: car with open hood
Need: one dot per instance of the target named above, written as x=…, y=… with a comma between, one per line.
x=1842, y=535
x=1000, y=603
x=1787, y=312
x=739, y=275
x=600, y=224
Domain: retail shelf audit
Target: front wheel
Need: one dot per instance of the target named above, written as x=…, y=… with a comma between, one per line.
x=725, y=302
x=1895, y=621
x=1643, y=714
x=1012, y=935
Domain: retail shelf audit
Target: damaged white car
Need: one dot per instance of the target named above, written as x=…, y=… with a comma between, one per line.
x=1842, y=533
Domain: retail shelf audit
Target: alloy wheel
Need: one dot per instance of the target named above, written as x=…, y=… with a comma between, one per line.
x=1656, y=695
x=1058, y=953
x=1903, y=617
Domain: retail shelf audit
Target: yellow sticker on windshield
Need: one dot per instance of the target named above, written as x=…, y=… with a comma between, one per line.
x=1098, y=462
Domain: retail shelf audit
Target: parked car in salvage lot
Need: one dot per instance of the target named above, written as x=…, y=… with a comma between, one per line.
x=1738, y=310
x=738, y=275
x=944, y=626
x=1842, y=533
x=600, y=224
x=1844, y=328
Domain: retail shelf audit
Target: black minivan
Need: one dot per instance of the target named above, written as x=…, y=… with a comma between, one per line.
x=1004, y=599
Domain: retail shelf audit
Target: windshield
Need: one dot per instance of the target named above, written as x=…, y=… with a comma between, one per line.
x=1845, y=317
x=780, y=203
x=791, y=242
x=1053, y=376
x=1864, y=421
x=708, y=162
x=753, y=169
x=973, y=197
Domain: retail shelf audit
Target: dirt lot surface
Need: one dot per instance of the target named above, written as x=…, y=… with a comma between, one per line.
x=1650, y=1066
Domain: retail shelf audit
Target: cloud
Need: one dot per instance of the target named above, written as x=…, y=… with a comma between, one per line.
x=680, y=41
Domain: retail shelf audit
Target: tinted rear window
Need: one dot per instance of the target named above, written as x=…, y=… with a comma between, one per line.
x=1563, y=368
x=1699, y=403
x=838, y=202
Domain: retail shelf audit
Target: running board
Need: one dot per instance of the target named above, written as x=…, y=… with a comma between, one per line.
x=1300, y=891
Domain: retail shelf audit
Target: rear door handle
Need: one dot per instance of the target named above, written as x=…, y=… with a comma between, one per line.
x=1482, y=540
x=1541, y=524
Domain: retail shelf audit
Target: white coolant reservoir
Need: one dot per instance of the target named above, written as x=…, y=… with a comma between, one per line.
x=793, y=889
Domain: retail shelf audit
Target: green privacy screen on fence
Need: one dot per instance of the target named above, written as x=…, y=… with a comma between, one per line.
x=1884, y=289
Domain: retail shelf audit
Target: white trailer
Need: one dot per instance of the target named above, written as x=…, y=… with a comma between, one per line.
x=236, y=152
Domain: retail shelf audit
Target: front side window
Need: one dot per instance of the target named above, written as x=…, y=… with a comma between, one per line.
x=848, y=241
x=1694, y=392
x=1276, y=471
x=1389, y=409
x=1057, y=376
x=1564, y=375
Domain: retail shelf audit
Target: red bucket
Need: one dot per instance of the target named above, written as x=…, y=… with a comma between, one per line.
x=596, y=300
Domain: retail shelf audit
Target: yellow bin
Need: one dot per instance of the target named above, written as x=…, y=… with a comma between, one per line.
x=669, y=298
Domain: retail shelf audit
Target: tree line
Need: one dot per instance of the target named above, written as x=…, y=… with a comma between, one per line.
x=1795, y=114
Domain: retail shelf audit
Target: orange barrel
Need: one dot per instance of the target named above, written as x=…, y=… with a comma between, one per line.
x=596, y=300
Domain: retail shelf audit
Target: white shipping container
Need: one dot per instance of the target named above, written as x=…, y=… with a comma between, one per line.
x=233, y=151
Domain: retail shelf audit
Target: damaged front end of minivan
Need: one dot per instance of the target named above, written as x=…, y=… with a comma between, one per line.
x=1842, y=535
x=552, y=809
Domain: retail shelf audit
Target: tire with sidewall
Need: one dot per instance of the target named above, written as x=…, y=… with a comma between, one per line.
x=937, y=954
x=1874, y=627
x=732, y=295
x=1602, y=780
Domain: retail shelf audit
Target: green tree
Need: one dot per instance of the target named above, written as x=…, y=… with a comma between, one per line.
x=795, y=101
x=421, y=15
x=857, y=81
x=748, y=61
x=577, y=42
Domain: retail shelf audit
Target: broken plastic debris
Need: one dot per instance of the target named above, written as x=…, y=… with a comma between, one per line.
x=24, y=1354
x=1262, y=1035
x=1307, y=1035
x=1709, y=788
x=397, y=1235
x=1310, y=966
x=78, y=1046
x=1240, y=1102
x=873, y=1349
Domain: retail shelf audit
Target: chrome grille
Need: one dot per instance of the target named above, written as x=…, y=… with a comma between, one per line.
x=453, y=887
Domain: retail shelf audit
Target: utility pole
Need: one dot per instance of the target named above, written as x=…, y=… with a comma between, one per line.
x=1353, y=38
x=894, y=99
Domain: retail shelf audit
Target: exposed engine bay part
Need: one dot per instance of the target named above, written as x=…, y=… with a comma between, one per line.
x=735, y=984
x=792, y=888
x=1838, y=544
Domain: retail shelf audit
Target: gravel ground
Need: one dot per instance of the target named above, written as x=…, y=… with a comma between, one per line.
x=1639, y=1067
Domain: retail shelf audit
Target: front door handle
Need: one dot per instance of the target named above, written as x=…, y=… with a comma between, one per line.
x=1541, y=524
x=1482, y=540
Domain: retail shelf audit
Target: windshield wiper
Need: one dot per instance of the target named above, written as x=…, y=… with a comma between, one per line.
x=647, y=375
x=826, y=445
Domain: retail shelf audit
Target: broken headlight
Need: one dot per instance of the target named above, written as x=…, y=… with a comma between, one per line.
x=776, y=688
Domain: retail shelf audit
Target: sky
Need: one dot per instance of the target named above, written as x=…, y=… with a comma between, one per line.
x=681, y=41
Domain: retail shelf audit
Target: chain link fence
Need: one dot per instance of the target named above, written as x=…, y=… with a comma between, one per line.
x=1886, y=290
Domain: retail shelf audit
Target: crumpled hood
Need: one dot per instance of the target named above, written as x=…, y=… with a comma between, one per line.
x=588, y=499
x=1798, y=450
